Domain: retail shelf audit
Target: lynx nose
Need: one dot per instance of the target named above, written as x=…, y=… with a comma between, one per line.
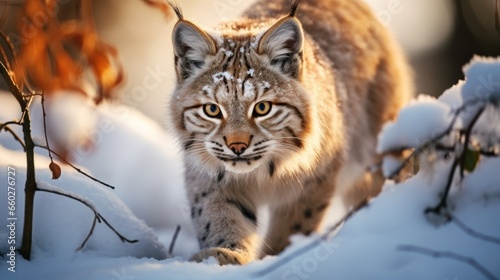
x=238, y=148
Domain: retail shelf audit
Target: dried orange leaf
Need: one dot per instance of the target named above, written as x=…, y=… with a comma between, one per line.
x=65, y=67
x=163, y=6
x=56, y=170
x=106, y=74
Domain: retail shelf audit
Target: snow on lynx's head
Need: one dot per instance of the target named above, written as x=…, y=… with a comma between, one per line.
x=239, y=105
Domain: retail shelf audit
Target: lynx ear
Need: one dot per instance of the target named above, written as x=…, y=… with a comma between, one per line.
x=282, y=43
x=191, y=46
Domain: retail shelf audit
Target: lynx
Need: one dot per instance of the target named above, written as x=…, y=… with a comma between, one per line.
x=282, y=112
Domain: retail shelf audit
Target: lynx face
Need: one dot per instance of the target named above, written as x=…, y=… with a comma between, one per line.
x=238, y=104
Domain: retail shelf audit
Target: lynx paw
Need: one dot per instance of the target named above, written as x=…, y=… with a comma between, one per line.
x=223, y=255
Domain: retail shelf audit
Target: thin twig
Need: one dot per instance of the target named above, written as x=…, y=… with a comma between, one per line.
x=423, y=147
x=14, y=134
x=470, y=231
x=28, y=105
x=10, y=46
x=449, y=255
x=13, y=88
x=315, y=242
x=45, y=127
x=443, y=201
x=468, y=133
x=174, y=238
x=483, y=152
x=98, y=216
x=434, y=140
x=91, y=231
x=5, y=58
x=76, y=168
x=5, y=124
x=456, y=162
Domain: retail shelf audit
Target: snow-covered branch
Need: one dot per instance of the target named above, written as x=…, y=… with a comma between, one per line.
x=97, y=216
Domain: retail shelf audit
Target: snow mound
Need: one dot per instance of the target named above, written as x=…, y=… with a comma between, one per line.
x=418, y=122
x=119, y=146
x=61, y=224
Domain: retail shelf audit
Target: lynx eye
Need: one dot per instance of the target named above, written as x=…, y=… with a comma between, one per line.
x=262, y=108
x=212, y=110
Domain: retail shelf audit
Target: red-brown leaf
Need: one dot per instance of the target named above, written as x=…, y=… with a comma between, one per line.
x=56, y=170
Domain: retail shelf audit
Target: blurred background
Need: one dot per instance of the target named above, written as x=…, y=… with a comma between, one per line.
x=439, y=37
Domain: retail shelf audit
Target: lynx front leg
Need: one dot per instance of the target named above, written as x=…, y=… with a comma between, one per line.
x=226, y=225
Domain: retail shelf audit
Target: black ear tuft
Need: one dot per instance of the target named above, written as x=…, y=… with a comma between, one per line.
x=294, y=7
x=191, y=47
x=177, y=10
x=282, y=43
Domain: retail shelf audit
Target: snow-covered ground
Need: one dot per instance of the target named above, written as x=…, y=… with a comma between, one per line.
x=134, y=154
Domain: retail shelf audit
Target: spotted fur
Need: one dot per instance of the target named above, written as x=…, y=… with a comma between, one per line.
x=282, y=112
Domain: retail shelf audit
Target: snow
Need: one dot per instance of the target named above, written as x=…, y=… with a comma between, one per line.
x=482, y=79
x=61, y=224
x=207, y=89
x=140, y=159
x=217, y=77
x=481, y=83
x=389, y=165
x=417, y=123
x=249, y=90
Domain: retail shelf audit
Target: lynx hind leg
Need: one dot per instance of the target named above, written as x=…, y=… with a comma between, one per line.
x=302, y=216
x=367, y=186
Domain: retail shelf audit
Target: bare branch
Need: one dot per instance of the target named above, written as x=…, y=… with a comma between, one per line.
x=435, y=140
x=98, y=216
x=5, y=58
x=13, y=88
x=174, y=238
x=438, y=209
x=468, y=133
x=10, y=46
x=457, y=161
x=483, y=152
x=45, y=127
x=449, y=255
x=76, y=168
x=470, y=231
x=91, y=231
x=5, y=126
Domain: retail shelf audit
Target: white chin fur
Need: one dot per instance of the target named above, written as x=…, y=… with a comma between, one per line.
x=241, y=167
